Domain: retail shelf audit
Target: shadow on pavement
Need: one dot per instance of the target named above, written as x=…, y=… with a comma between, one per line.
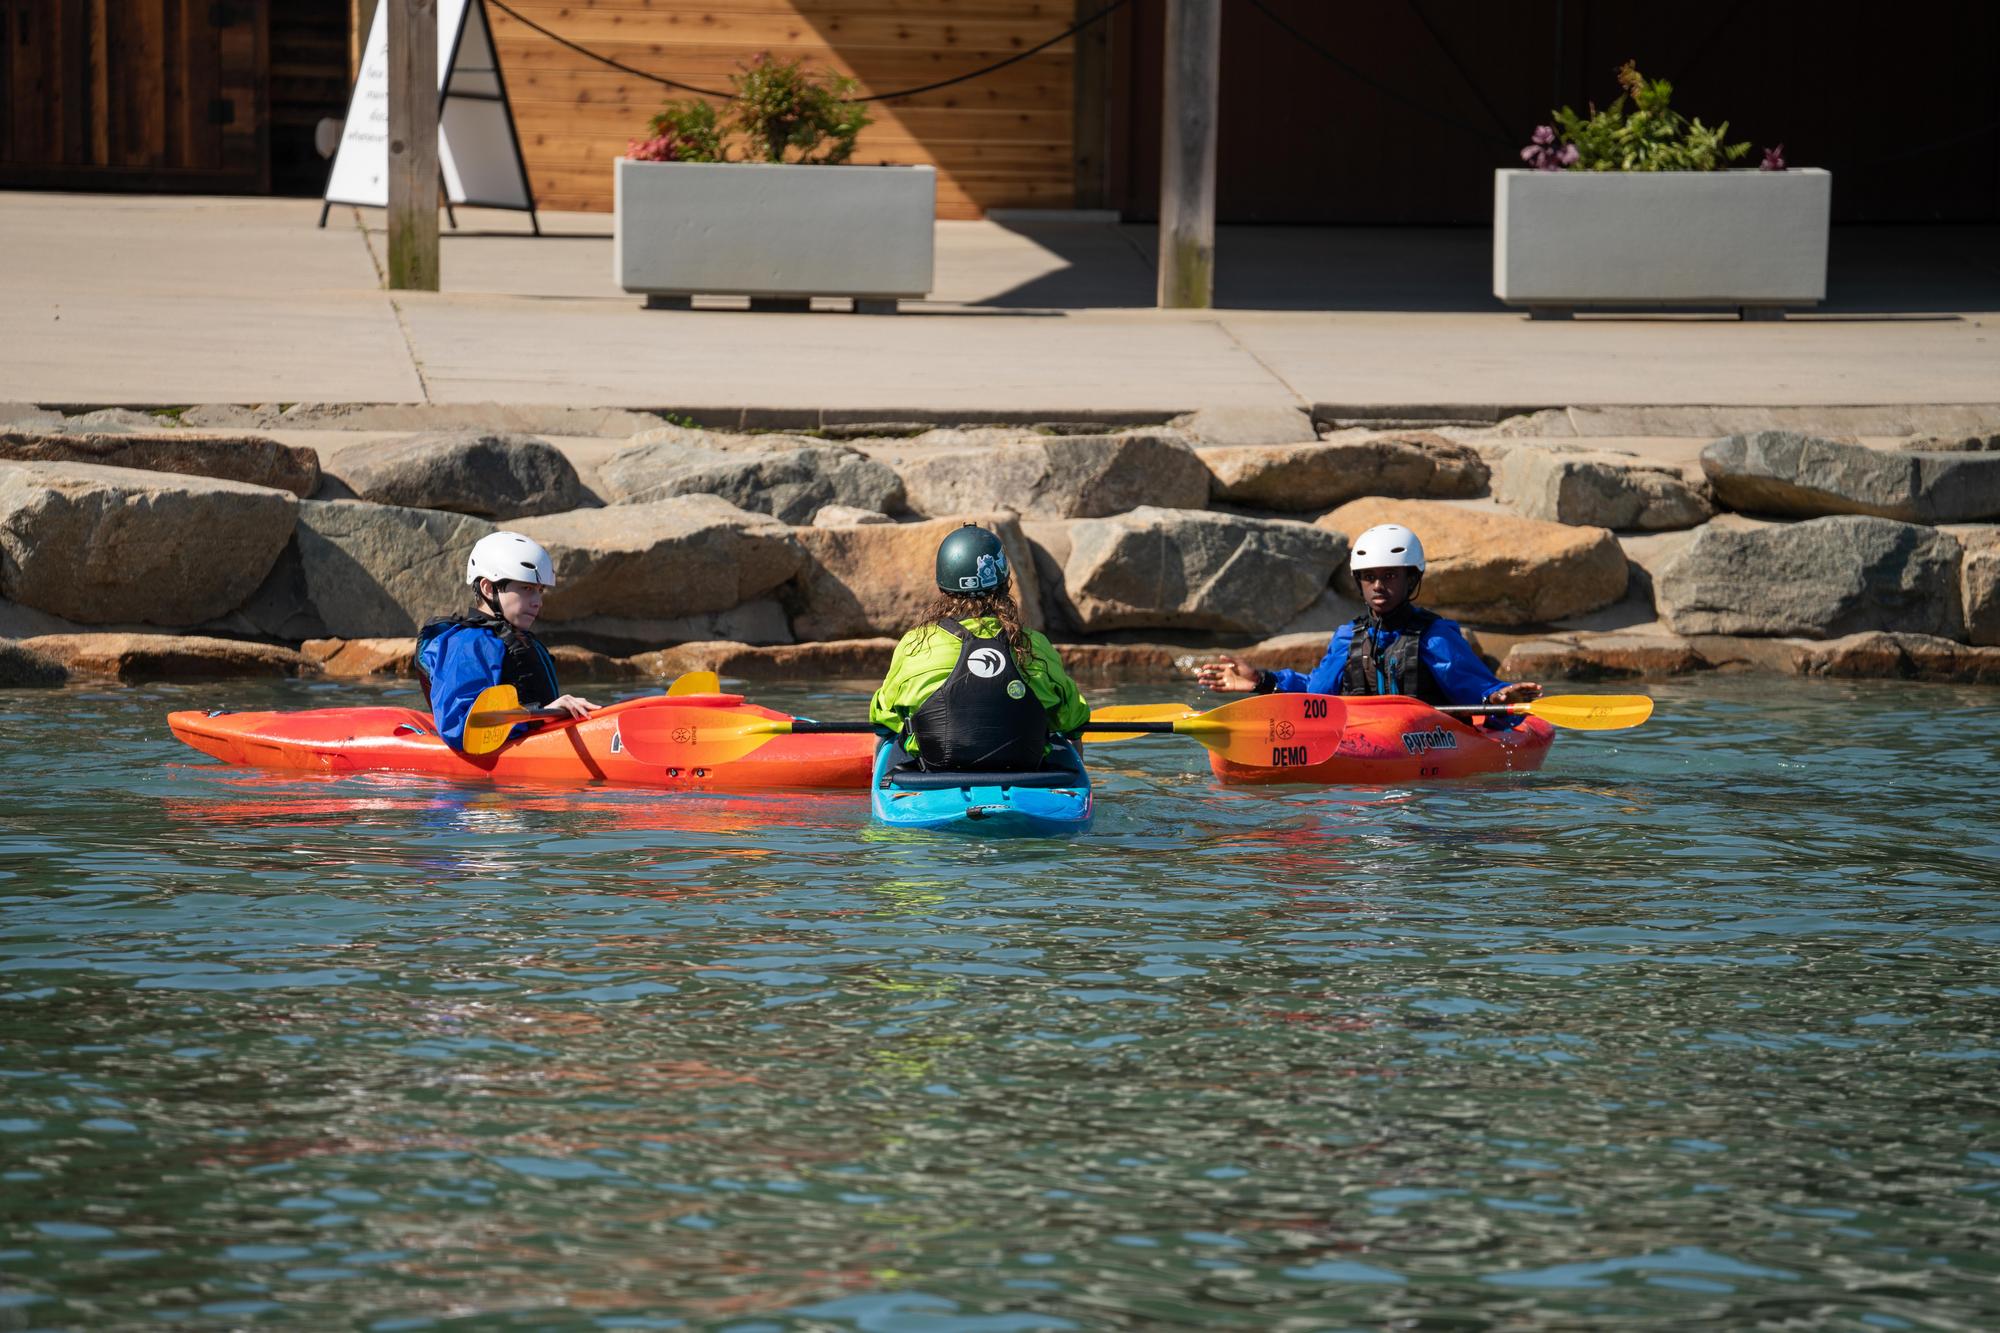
x=1942, y=269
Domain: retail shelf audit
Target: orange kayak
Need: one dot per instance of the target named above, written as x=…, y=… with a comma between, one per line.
x=1393, y=738
x=404, y=740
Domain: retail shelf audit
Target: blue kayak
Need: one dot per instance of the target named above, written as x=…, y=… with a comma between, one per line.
x=1052, y=800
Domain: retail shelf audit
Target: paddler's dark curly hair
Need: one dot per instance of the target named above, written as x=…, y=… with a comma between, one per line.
x=999, y=604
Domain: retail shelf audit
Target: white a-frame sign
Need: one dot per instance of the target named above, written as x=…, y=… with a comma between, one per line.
x=479, y=155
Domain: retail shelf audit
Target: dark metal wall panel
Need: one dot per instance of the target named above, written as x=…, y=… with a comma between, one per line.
x=1440, y=92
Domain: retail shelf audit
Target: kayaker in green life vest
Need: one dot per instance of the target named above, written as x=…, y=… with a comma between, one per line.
x=1395, y=647
x=969, y=689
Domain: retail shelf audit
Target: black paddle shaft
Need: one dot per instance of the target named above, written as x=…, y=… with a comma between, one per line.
x=800, y=727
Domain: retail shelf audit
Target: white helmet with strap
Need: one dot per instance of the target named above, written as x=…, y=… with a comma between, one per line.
x=509, y=556
x=1387, y=546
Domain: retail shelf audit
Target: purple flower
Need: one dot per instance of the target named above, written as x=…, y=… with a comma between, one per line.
x=1542, y=153
x=1774, y=159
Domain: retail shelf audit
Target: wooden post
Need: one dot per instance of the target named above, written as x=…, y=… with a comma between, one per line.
x=413, y=145
x=1187, y=154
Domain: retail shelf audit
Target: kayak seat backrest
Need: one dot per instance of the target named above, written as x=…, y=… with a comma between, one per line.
x=1062, y=768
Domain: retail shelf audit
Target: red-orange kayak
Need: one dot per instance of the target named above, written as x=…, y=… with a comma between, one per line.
x=351, y=740
x=1394, y=738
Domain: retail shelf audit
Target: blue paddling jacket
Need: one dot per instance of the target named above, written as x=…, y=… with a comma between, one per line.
x=464, y=655
x=1442, y=670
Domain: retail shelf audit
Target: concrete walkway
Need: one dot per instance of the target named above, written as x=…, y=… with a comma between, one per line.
x=168, y=301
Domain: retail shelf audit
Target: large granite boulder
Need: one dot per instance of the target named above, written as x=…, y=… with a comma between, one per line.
x=1246, y=425
x=790, y=484
x=1876, y=655
x=860, y=660
x=26, y=416
x=137, y=657
x=488, y=474
x=1821, y=579
x=667, y=558
x=1497, y=569
x=1598, y=490
x=246, y=458
x=1320, y=475
x=108, y=545
x=1086, y=476
x=356, y=570
x=1187, y=569
x=871, y=579
x=24, y=667
x=1979, y=581
x=1802, y=476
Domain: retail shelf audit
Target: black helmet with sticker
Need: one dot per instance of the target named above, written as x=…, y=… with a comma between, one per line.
x=970, y=561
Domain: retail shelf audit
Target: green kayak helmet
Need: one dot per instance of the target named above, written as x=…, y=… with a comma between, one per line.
x=970, y=561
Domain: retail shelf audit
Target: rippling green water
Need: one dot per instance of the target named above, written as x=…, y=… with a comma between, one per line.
x=1696, y=1025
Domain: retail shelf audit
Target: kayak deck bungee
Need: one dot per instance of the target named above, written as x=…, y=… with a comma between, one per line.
x=389, y=739
x=1394, y=738
x=1053, y=800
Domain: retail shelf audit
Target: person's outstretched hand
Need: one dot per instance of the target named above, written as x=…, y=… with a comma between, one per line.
x=1225, y=675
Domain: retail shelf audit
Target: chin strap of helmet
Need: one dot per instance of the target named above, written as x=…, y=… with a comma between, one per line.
x=491, y=601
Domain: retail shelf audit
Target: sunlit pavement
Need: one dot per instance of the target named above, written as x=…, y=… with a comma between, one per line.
x=167, y=300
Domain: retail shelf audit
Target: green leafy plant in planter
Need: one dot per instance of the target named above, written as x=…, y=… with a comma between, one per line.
x=1637, y=132
x=779, y=112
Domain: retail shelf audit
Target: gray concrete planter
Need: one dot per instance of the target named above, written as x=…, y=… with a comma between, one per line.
x=1751, y=239
x=777, y=233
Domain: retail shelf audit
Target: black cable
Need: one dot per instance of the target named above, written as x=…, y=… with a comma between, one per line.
x=561, y=40
x=1371, y=81
x=1105, y=12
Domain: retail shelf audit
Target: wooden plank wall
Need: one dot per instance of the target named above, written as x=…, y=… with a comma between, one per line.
x=1002, y=141
x=134, y=94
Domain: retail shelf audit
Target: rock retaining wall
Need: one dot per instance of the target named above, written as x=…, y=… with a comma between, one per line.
x=132, y=546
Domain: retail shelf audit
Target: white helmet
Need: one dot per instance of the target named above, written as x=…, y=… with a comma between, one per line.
x=502, y=556
x=1387, y=546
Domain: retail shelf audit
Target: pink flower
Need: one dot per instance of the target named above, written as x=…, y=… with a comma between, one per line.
x=663, y=148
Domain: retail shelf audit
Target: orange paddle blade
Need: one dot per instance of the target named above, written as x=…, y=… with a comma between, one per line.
x=482, y=734
x=1271, y=730
x=695, y=737
x=1590, y=712
x=696, y=682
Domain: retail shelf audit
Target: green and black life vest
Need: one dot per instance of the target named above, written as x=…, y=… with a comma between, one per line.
x=984, y=717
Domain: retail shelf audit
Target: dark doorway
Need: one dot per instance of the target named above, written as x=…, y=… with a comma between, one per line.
x=1399, y=111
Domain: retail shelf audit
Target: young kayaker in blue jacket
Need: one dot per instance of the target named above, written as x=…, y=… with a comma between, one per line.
x=1395, y=647
x=460, y=656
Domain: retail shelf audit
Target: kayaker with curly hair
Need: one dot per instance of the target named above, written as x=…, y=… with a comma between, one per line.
x=459, y=657
x=1394, y=647
x=970, y=689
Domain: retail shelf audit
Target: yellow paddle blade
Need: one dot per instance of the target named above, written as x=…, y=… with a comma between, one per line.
x=487, y=738
x=1271, y=730
x=1134, y=713
x=1590, y=712
x=696, y=682
x=695, y=737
